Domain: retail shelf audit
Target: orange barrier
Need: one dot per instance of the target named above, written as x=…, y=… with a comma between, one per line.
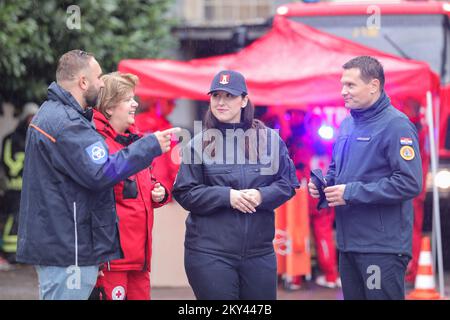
x=292, y=235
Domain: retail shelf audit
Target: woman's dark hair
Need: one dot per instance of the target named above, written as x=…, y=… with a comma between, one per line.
x=247, y=119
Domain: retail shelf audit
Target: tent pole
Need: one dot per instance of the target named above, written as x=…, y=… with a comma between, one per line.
x=437, y=244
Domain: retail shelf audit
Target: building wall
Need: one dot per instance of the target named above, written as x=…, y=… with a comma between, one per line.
x=168, y=247
x=225, y=12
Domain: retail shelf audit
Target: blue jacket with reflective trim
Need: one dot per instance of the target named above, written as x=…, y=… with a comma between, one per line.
x=376, y=156
x=67, y=209
x=203, y=188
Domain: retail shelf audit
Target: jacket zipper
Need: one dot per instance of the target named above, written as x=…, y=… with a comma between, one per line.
x=244, y=242
x=146, y=258
x=76, y=232
x=342, y=166
x=117, y=228
x=146, y=245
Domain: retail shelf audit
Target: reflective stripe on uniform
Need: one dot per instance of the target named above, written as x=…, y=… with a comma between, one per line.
x=9, y=240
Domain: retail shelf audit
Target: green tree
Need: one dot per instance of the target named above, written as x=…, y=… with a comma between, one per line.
x=34, y=34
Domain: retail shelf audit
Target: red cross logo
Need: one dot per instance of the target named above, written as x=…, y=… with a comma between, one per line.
x=118, y=293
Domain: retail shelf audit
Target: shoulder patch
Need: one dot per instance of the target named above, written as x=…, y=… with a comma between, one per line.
x=406, y=141
x=97, y=152
x=407, y=153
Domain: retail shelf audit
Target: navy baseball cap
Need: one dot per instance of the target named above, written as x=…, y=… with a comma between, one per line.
x=230, y=81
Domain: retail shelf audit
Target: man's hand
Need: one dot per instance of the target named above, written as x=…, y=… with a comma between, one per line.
x=164, y=138
x=335, y=195
x=313, y=191
x=242, y=201
x=255, y=195
x=158, y=192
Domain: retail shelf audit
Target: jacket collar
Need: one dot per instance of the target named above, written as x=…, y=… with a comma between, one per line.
x=233, y=126
x=103, y=126
x=366, y=114
x=57, y=93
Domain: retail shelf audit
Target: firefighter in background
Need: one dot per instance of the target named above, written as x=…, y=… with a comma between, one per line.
x=309, y=151
x=12, y=160
x=412, y=108
x=154, y=118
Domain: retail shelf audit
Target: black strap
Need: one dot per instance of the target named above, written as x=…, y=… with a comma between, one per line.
x=127, y=139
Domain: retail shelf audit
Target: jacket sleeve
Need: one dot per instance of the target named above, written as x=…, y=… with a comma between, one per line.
x=285, y=182
x=192, y=193
x=81, y=153
x=405, y=182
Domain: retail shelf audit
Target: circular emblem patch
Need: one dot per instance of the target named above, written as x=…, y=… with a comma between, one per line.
x=98, y=153
x=407, y=153
x=118, y=293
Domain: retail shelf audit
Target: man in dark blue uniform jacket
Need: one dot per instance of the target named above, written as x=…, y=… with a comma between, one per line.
x=67, y=220
x=374, y=175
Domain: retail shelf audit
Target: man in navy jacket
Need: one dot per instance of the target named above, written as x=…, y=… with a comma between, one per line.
x=67, y=220
x=374, y=175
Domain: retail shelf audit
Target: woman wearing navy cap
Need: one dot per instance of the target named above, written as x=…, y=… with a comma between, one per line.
x=232, y=177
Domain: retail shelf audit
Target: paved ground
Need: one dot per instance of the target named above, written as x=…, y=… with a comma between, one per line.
x=21, y=284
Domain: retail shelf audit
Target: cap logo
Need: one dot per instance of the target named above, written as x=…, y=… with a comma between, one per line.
x=224, y=79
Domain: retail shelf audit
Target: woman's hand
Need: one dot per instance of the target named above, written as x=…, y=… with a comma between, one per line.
x=255, y=195
x=241, y=201
x=158, y=192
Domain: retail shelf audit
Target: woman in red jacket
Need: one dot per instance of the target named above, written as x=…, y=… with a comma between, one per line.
x=128, y=278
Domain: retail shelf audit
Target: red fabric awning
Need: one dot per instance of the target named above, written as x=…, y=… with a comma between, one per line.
x=293, y=65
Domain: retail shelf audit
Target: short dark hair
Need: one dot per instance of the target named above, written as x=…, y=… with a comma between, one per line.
x=370, y=68
x=71, y=63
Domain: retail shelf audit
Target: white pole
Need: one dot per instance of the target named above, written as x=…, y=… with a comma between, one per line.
x=437, y=244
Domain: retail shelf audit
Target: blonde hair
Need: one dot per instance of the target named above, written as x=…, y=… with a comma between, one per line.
x=117, y=87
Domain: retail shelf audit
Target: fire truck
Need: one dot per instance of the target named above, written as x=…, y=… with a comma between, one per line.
x=418, y=30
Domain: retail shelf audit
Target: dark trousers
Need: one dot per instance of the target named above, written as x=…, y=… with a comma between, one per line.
x=373, y=276
x=214, y=277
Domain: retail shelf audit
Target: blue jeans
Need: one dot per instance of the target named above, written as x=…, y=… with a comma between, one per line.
x=66, y=283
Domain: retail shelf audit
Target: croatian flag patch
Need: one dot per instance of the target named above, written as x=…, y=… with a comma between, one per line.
x=406, y=141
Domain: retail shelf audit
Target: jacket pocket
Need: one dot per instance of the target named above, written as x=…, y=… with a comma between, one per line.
x=213, y=170
x=381, y=220
x=364, y=225
x=254, y=179
x=104, y=231
x=219, y=175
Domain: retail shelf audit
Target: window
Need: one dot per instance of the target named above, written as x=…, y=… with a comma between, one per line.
x=237, y=11
x=420, y=37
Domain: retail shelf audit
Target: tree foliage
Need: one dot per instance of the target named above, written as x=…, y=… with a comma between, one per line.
x=34, y=34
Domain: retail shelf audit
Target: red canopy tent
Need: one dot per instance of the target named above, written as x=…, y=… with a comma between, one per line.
x=293, y=65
